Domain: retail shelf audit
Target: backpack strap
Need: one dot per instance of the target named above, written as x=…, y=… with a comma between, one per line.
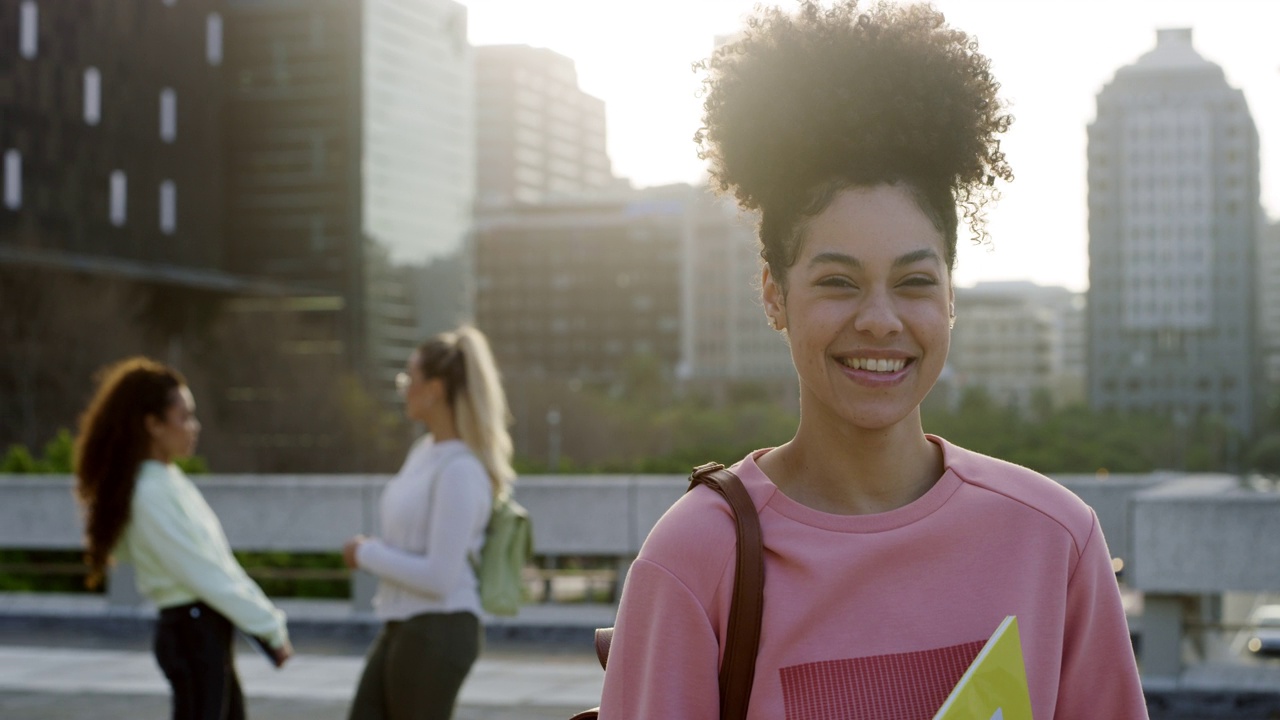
x=746, y=611
x=604, y=638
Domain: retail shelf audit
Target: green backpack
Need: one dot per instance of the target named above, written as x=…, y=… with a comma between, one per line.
x=508, y=547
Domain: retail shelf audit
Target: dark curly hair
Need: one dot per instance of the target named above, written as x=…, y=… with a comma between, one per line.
x=806, y=105
x=112, y=443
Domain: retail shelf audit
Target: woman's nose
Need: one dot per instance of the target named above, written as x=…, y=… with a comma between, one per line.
x=877, y=316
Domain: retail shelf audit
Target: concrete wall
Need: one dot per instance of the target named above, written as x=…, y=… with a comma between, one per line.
x=1206, y=534
x=1184, y=539
x=1183, y=534
x=572, y=515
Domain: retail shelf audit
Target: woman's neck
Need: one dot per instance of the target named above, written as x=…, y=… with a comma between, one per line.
x=849, y=471
x=443, y=427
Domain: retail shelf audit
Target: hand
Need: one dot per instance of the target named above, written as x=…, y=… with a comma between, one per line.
x=283, y=653
x=349, y=551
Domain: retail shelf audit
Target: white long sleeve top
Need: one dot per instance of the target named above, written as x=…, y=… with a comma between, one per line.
x=434, y=515
x=180, y=554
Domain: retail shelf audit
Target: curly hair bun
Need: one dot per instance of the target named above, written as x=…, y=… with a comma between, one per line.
x=882, y=95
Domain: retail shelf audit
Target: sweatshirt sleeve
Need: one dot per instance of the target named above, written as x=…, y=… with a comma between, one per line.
x=172, y=531
x=665, y=657
x=1099, y=673
x=459, y=504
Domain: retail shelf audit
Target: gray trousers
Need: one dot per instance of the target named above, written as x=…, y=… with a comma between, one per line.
x=416, y=667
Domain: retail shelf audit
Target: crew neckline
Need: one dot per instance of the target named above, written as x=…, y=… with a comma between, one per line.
x=912, y=512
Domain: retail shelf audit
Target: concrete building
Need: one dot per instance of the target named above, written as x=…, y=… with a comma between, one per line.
x=1016, y=340
x=538, y=134
x=352, y=160
x=241, y=161
x=1173, y=217
x=111, y=146
x=572, y=288
x=624, y=291
x=726, y=336
x=1269, y=303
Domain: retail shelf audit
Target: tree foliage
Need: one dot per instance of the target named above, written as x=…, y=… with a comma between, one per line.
x=640, y=429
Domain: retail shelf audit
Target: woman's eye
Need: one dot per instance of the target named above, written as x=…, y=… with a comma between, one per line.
x=836, y=282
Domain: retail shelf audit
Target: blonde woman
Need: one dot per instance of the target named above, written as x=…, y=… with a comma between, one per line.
x=434, y=514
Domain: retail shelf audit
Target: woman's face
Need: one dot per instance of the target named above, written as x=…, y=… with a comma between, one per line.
x=867, y=309
x=174, y=434
x=416, y=390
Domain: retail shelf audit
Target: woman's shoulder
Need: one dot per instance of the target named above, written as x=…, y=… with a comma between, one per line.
x=155, y=478
x=697, y=535
x=1022, y=485
x=457, y=460
x=156, y=490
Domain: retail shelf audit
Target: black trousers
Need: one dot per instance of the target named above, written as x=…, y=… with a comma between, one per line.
x=193, y=648
x=416, y=667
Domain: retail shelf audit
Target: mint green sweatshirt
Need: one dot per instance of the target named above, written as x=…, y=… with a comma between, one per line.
x=181, y=555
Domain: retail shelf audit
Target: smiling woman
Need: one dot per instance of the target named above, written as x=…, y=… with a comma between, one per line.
x=862, y=136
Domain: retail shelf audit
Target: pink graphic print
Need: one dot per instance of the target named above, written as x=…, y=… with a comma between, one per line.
x=904, y=686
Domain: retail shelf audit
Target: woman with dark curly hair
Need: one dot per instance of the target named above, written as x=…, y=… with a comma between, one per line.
x=140, y=506
x=890, y=555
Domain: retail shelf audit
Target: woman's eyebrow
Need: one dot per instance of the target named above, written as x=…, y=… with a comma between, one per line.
x=910, y=258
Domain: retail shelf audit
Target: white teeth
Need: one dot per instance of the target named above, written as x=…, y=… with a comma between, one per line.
x=875, y=365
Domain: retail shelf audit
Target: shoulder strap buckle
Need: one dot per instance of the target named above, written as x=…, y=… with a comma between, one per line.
x=705, y=469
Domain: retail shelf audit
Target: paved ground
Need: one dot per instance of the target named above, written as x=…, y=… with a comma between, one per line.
x=58, y=663
x=39, y=683
x=62, y=661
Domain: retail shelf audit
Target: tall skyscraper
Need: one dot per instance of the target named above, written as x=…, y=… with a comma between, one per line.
x=1269, y=303
x=538, y=134
x=351, y=159
x=1173, y=218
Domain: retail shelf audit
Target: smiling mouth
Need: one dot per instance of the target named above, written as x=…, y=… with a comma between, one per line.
x=877, y=365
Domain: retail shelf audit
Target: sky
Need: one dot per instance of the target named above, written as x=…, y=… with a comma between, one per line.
x=1050, y=56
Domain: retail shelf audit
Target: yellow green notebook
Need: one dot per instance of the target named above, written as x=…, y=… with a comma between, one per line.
x=995, y=685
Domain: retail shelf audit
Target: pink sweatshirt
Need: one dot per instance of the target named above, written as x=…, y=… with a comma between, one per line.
x=877, y=616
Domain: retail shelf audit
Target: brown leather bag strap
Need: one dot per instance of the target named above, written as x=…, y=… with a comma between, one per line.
x=746, y=611
x=604, y=638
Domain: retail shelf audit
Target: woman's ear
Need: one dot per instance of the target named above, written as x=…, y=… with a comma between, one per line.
x=775, y=299
x=435, y=391
x=152, y=425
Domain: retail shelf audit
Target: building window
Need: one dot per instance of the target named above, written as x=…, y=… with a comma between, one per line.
x=213, y=39
x=168, y=115
x=92, y=96
x=12, y=179
x=117, y=204
x=168, y=207
x=28, y=29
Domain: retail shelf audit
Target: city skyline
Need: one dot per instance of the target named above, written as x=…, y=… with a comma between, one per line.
x=638, y=61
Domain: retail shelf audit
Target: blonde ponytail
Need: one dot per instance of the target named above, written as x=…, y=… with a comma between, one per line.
x=481, y=409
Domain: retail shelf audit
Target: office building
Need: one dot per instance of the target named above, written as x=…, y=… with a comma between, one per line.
x=1173, y=217
x=538, y=135
x=111, y=142
x=1017, y=340
x=573, y=288
x=1269, y=303
x=351, y=160
x=237, y=162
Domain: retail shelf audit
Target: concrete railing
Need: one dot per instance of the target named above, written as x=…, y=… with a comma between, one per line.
x=1182, y=537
